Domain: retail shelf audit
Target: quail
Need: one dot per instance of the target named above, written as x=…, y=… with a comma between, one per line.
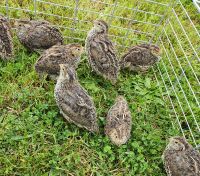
x=48, y=62
x=6, y=45
x=38, y=35
x=140, y=58
x=180, y=158
x=118, y=122
x=100, y=50
x=74, y=103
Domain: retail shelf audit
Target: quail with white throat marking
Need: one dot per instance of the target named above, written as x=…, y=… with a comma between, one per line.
x=119, y=122
x=74, y=103
x=140, y=57
x=6, y=45
x=180, y=158
x=38, y=35
x=101, y=53
x=48, y=62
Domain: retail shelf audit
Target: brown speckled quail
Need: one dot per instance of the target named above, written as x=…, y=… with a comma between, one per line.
x=140, y=58
x=48, y=62
x=6, y=45
x=180, y=158
x=73, y=101
x=38, y=35
x=101, y=53
x=119, y=122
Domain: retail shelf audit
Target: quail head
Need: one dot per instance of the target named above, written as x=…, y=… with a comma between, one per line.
x=6, y=45
x=101, y=53
x=74, y=103
x=140, y=57
x=119, y=122
x=48, y=62
x=38, y=35
x=180, y=158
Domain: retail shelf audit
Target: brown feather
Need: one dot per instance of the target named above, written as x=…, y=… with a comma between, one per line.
x=38, y=35
x=6, y=44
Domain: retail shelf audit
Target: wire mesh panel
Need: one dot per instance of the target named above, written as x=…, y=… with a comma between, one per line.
x=179, y=71
x=147, y=21
x=139, y=26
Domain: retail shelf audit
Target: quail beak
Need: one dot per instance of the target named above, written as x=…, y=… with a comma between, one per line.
x=19, y=23
x=157, y=50
x=16, y=23
x=82, y=49
x=119, y=98
x=22, y=23
x=95, y=24
x=170, y=139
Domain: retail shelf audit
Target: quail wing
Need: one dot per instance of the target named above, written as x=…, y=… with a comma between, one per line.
x=179, y=163
x=102, y=57
x=75, y=103
x=138, y=59
x=6, y=44
x=119, y=118
x=39, y=35
x=49, y=61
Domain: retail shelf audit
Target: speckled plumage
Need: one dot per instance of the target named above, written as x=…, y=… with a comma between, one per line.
x=181, y=159
x=140, y=58
x=38, y=35
x=48, y=62
x=119, y=122
x=73, y=101
x=6, y=45
x=101, y=53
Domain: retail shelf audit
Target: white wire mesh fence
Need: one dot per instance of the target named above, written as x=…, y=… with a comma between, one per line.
x=165, y=23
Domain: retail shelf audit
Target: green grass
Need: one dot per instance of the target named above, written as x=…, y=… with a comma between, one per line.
x=36, y=140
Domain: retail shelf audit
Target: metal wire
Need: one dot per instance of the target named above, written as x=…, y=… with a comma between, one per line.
x=111, y=16
x=124, y=7
x=168, y=98
x=197, y=4
x=35, y=7
x=171, y=102
x=191, y=22
x=176, y=35
x=75, y=14
x=183, y=71
x=130, y=22
x=174, y=12
x=83, y=21
x=102, y=14
x=178, y=89
x=175, y=93
x=7, y=9
x=157, y=29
